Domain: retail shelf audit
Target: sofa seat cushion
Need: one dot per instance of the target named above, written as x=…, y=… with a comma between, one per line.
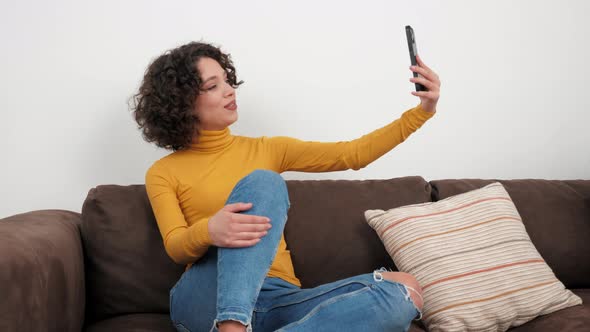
x=134, y=323
x=576, y=318
x=570, y=319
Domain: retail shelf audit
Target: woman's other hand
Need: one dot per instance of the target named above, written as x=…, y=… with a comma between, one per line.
x=228, y=228
x=431, y=81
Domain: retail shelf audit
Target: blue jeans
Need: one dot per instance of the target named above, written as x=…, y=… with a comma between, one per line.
x=231, y=283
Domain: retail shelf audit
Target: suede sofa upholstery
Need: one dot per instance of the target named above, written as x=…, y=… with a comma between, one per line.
x=105, y=269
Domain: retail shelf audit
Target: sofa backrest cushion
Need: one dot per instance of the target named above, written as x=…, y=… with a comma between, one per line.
x=556, y=215
x=326, y=230
x=127, y=268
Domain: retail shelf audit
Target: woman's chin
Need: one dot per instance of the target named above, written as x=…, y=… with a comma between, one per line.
x=234, y=118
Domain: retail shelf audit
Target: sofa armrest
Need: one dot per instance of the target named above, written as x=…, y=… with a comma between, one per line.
x=41, y=272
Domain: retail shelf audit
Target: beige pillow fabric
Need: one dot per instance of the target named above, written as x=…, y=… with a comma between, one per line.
x=473, y=258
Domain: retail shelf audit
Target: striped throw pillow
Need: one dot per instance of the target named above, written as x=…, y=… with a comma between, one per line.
x=477, y=266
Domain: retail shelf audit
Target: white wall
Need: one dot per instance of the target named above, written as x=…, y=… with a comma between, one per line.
x=514, y=100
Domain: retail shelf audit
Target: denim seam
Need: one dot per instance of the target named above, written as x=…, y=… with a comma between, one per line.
x=182, y=276
x=276, y=250
x=322, y=305
x=171, y=295
x=181, y=327
x=311, y=296
x=170, y=306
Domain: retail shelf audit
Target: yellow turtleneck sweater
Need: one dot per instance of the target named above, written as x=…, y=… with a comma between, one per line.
x=187, y=187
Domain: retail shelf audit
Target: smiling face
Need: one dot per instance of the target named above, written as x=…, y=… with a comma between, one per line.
x=215, y=105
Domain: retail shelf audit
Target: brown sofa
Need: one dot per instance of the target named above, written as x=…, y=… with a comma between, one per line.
x=106, y=269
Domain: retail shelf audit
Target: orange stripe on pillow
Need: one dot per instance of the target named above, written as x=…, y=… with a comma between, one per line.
x=453, y=230
x=489, y=298
x=530, y=261
x=442, y=212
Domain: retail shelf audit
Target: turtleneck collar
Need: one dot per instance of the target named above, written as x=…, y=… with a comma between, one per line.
x=212, y=140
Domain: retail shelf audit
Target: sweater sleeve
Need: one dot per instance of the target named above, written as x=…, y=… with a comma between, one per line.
x=291, y=154
x=183, y=243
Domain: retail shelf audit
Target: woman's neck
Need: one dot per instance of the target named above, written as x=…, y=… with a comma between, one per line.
x=212, y=140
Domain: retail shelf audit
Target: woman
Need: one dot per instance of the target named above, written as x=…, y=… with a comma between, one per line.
x=221, y=206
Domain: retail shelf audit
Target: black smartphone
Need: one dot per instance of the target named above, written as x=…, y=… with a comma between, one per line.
x=413, y=51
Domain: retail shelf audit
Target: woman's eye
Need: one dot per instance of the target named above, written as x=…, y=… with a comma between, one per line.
x=214, y=86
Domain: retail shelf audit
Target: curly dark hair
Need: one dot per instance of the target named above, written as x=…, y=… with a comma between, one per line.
x=163, y=106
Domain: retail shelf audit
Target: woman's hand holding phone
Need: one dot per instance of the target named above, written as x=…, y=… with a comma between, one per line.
x=429, y=79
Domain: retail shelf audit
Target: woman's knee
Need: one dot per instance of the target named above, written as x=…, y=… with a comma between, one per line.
x=264, y=183
x=410, y=282
x=266, y=179
x=265, y=176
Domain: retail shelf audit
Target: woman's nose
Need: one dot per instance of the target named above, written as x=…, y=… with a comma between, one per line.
x=229, y=90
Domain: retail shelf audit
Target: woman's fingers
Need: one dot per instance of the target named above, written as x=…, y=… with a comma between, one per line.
x=249, y=219
x=248, y=228
x=255, y=227
x=429, y=75
x=421, y=63
x=429, y=79
x=425, y=71
x=237, y=207
x=249, y=236
x=431, y=86
x=229, y=228
x=243, y=243
x=426, y=94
